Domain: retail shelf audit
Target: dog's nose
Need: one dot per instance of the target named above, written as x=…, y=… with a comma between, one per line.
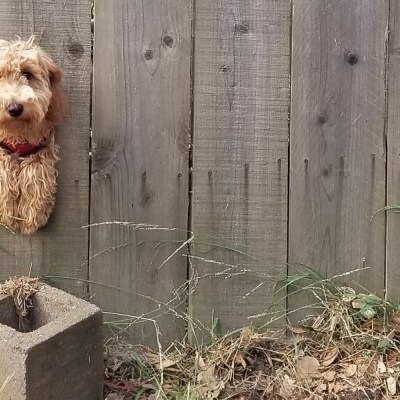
x=15, y=110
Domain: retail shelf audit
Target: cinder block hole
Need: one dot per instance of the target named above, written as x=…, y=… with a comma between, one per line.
x=44, y=311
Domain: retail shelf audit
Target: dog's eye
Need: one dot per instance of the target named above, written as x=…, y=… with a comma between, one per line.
x=26, y=74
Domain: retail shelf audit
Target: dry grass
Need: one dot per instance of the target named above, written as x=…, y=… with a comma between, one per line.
x=5, y=383
x=349, y=351
x=21, y=289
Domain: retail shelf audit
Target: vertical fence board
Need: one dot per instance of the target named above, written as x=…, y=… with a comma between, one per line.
x=393, y=156
x=141, y=133
x=61, y=248
x=240, y=160
x=337, y=150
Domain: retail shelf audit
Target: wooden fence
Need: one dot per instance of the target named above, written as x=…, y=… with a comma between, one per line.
x=267, y=128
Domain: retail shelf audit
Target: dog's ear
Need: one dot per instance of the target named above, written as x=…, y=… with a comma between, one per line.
x=54, y=71
x=55, y=74
x=57, y=104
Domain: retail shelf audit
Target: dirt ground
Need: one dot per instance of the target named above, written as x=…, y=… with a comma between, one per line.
x=349, y=350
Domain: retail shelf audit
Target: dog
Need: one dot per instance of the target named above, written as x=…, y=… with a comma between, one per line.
x=31, y=106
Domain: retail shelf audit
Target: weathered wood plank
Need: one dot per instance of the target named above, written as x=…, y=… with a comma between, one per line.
x=241, y=104
x=337, y=145
x=141, y=125
x=63, y=29
x=393, y=155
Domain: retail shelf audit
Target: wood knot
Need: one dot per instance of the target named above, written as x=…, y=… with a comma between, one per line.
x=242, y=28
x=167, y=41
x=322, y=119
x=351, y=58
x=75, y=49
x=326, y=172
x=149, y=54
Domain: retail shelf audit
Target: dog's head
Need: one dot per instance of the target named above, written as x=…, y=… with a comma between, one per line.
x=31, y=102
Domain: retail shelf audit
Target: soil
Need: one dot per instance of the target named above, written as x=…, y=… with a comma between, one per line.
x=366, y=394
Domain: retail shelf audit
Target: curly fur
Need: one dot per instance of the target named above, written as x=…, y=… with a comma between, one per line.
x=28, y=184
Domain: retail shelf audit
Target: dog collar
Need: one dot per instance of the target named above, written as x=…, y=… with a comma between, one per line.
x=21, y=149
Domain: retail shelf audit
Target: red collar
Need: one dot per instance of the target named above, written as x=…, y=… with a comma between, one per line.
x=21, y=149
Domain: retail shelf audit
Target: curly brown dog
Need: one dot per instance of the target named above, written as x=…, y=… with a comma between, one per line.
x=31, y=105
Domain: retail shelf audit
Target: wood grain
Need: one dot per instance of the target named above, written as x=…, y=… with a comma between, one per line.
x=61, y=248
x=337, y=144
x=393, y=155
x=240, y=160
x=141, y=133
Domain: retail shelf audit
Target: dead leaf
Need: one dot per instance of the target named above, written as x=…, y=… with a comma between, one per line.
x=246, y=333
x=308, y=367
x=264, y=384
x=151, y=358
x=154, y=359
x=391, y=385
x=299, y=330
x=115, y=365
x=199, y=361
x=168, y=363
x=374, y=326
x=207, y=374
x=322, y=387
x=338, y=387
x=123, y=385
x=350, y=370
x=330, y=356
x=396, y=318
x=362, y=365
x=239, y=360
x=210, y=385
x=287, y=387
x=330, y=376
x=392, y=358
x=115, y=396
x=381, y=367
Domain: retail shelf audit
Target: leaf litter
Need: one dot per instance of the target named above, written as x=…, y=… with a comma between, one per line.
x=348, y=351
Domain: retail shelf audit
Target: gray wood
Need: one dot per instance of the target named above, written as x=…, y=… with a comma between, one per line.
x=393, y=155
x=240, y=161
x=60, y=249
x=141, y=132
x=337, y=144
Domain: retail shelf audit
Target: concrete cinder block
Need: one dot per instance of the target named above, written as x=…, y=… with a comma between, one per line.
x=61, y=359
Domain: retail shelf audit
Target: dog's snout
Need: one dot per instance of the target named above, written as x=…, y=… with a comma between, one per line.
x=15, y=110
